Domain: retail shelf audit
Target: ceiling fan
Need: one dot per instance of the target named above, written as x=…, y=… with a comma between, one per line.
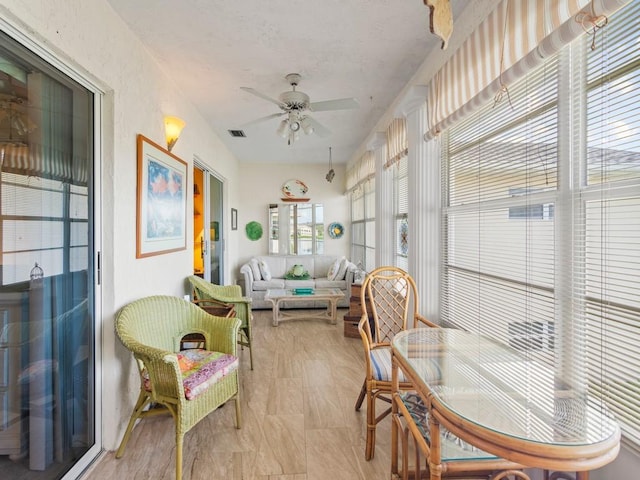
x=295, y=105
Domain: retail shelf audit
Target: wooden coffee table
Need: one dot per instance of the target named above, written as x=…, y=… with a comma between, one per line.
x=329, y=295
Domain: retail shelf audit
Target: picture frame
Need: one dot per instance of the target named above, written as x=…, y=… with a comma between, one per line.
x=234, y=219
x=161, y=203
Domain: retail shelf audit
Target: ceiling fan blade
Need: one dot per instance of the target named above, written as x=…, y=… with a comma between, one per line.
x=318, y=128
x=263, y=96
x=338, y=104
x=262, y=119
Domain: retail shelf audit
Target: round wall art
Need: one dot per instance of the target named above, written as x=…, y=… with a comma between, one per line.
x=295, y=190
x=336, y=230
x=254, y=230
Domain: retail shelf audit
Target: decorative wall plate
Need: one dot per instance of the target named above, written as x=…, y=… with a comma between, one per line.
x=336, y=230
x=295, y=189
x=254, y=230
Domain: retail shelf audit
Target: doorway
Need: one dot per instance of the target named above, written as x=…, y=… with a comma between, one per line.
x=208, y=241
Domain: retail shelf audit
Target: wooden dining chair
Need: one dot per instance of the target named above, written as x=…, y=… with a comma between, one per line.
x=393, y=306
x=458, y=459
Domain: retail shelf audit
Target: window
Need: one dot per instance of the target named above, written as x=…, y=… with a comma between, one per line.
x=363, y=222
x=302, y=234
x=401, y=211
x=542, y=217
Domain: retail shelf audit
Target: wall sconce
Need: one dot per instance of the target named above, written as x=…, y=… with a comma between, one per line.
x=172, y=128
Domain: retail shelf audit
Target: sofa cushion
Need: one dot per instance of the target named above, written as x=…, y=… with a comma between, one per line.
x=300, y=283
x=322, y=264
x=262, y=285
x=324, y=283
x=277, y=265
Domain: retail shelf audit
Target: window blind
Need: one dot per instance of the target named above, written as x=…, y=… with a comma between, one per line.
x=541, y=246
x=609, y=227
x=363, y=225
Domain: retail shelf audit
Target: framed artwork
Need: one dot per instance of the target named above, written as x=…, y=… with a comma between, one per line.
x=161, y=200
x=234, y=219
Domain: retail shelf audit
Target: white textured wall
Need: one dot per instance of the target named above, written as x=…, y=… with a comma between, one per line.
x=88, y=37
x=261, y=185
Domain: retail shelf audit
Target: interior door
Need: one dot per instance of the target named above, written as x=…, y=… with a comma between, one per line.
x=208, y=233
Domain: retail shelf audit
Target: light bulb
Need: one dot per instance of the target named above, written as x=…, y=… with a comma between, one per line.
x=282, y=129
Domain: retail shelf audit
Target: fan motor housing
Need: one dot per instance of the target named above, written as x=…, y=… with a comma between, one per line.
x=295, y=100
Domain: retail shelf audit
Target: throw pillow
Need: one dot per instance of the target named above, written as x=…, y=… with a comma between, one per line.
x=264, y=270
x=255, y=268
x=342, y=269
x=333, y=269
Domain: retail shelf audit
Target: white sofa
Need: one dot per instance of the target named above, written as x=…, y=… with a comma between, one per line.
x=278, y=265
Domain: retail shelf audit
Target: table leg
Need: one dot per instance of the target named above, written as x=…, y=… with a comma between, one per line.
x=276, y=312
x=333, y=304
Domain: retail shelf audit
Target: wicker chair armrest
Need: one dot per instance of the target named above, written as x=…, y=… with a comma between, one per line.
x=425, y=321
x=221, y=333
x=229, y=294
x=163, y=370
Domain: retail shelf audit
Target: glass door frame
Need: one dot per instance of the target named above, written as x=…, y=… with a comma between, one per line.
x=95, y=234
x=209, y=176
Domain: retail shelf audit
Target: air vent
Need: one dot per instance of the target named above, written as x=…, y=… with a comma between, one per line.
x=236, y=133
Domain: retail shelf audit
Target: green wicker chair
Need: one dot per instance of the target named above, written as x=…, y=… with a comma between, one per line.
x=206, y=293
x=152, y=328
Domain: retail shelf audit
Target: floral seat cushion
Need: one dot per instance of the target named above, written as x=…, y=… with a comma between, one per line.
x=200, y=369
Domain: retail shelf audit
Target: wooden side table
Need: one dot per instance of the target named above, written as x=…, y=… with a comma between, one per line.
x=352, y=319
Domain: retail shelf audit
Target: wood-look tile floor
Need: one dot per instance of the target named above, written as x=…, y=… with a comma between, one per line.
x=299, y=421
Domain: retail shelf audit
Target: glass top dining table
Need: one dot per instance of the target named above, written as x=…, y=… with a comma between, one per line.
x=504, y=401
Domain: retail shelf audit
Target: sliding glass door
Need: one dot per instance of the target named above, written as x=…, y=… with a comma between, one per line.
x=47, y=357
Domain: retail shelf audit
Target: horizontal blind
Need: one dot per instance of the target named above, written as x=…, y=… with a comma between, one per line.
x=501, y=182
x=606, y=295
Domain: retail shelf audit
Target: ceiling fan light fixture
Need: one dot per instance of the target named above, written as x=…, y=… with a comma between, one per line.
x=307, y=126
x=282, y=128
x=294, y=122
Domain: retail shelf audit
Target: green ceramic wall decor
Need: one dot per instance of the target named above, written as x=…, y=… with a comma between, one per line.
x=254, y=230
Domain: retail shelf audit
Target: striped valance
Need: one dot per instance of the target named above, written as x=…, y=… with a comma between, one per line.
x=397, y=145
x=364, y=169
x=531, y=30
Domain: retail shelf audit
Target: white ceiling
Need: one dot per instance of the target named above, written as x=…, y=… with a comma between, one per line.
x=365, y=49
